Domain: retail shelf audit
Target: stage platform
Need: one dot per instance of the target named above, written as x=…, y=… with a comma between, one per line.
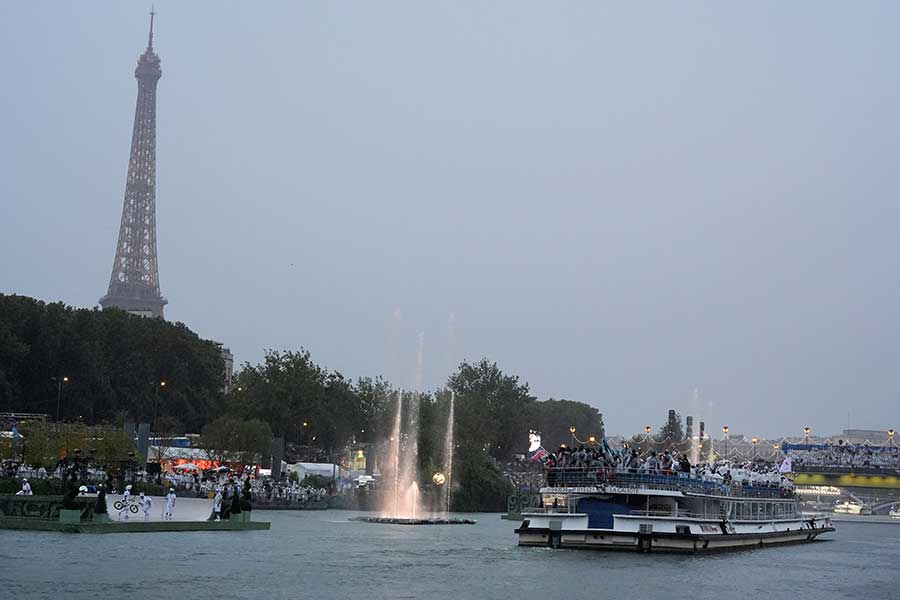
x=46, y=513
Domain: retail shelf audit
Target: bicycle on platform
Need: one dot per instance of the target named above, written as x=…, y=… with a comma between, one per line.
x=132, y=506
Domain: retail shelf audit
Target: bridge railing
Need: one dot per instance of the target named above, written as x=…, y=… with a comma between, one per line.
x=846, y=470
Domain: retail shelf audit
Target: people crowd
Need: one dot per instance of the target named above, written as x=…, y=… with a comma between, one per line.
x=846, y=456
x=263, y=490
x=601, y=462
x=523, y=475
x=17, y=470
x=200, y=484
x=289, y=493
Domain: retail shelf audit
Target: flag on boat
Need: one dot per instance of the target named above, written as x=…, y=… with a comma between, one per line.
x=540, y=455
x=785, y=465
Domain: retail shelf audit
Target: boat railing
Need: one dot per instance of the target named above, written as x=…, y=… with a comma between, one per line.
x=574, y=477
x=715, y=515
x=685, y=514
x=563, y=509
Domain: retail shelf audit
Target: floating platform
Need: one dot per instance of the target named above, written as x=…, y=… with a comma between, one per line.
x=131, y=526
x=404, y=521
x=47, y=513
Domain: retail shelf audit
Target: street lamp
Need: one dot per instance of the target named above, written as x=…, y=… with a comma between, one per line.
x=59, y=383
x=806, y=431
x=890, y=437
x=304, y=438
x=725, y=438
x=162, y=384
x=754, y=440
x=572, y=431
x=592, y=440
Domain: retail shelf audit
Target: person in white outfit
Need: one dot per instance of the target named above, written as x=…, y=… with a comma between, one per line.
x=145, y=504
x=170, y=503
x=126, y=498
x=26, y=489
x=217, y=505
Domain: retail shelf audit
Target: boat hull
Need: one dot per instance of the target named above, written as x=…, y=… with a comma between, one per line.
x=660, y=541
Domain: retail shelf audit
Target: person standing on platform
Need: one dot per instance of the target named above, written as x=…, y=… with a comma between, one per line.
x=226, y=500
x=126, y=499
x=170, y=504
x=217, y=505
x=145, y=504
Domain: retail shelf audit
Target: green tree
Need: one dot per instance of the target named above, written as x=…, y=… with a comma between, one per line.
x=253, y=439
x=554, y=418
x=219, y=437
x=288, y=389
x=491, y=408
x=671, y=435
x=113, y=360
x=167, y=430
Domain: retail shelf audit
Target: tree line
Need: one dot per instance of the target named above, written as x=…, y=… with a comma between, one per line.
x=98, y=366
x=114, y=363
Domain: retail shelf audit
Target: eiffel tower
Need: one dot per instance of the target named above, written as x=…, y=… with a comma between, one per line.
x=134, y=283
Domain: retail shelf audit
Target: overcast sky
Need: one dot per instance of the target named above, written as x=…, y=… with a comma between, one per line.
x=620, y=204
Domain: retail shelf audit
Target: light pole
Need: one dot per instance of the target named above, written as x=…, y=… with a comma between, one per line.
x=304, y=435
x=754, y=440
x=572, y=431
x=890, y=437
x=156, y=387
x=806, y=431
x=725, y=438
x=59, y=383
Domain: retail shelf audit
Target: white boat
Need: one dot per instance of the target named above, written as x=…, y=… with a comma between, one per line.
x=895, y=512
x=852, y=508
x=606, y=509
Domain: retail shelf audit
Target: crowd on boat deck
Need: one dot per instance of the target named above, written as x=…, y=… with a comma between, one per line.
x=847, y=456
x=666, y=463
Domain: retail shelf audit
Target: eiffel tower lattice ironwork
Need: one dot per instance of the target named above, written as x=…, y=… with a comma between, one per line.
x=134, y=283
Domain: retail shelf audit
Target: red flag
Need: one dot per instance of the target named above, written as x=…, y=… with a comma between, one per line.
x=539, y=455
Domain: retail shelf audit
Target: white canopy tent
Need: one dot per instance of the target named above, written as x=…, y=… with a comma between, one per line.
x=329, y=470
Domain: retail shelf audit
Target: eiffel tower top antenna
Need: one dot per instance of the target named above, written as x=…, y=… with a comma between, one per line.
x=150, y=37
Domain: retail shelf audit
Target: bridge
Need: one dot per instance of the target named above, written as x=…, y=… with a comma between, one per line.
x=845, y=477
x=877, y=489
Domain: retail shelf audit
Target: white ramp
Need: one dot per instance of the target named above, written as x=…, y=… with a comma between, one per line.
x=186, y=509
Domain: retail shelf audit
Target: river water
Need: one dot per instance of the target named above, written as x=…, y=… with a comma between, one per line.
x=323, y=555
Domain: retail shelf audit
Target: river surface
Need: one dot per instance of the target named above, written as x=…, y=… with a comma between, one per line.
x=320, y=554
